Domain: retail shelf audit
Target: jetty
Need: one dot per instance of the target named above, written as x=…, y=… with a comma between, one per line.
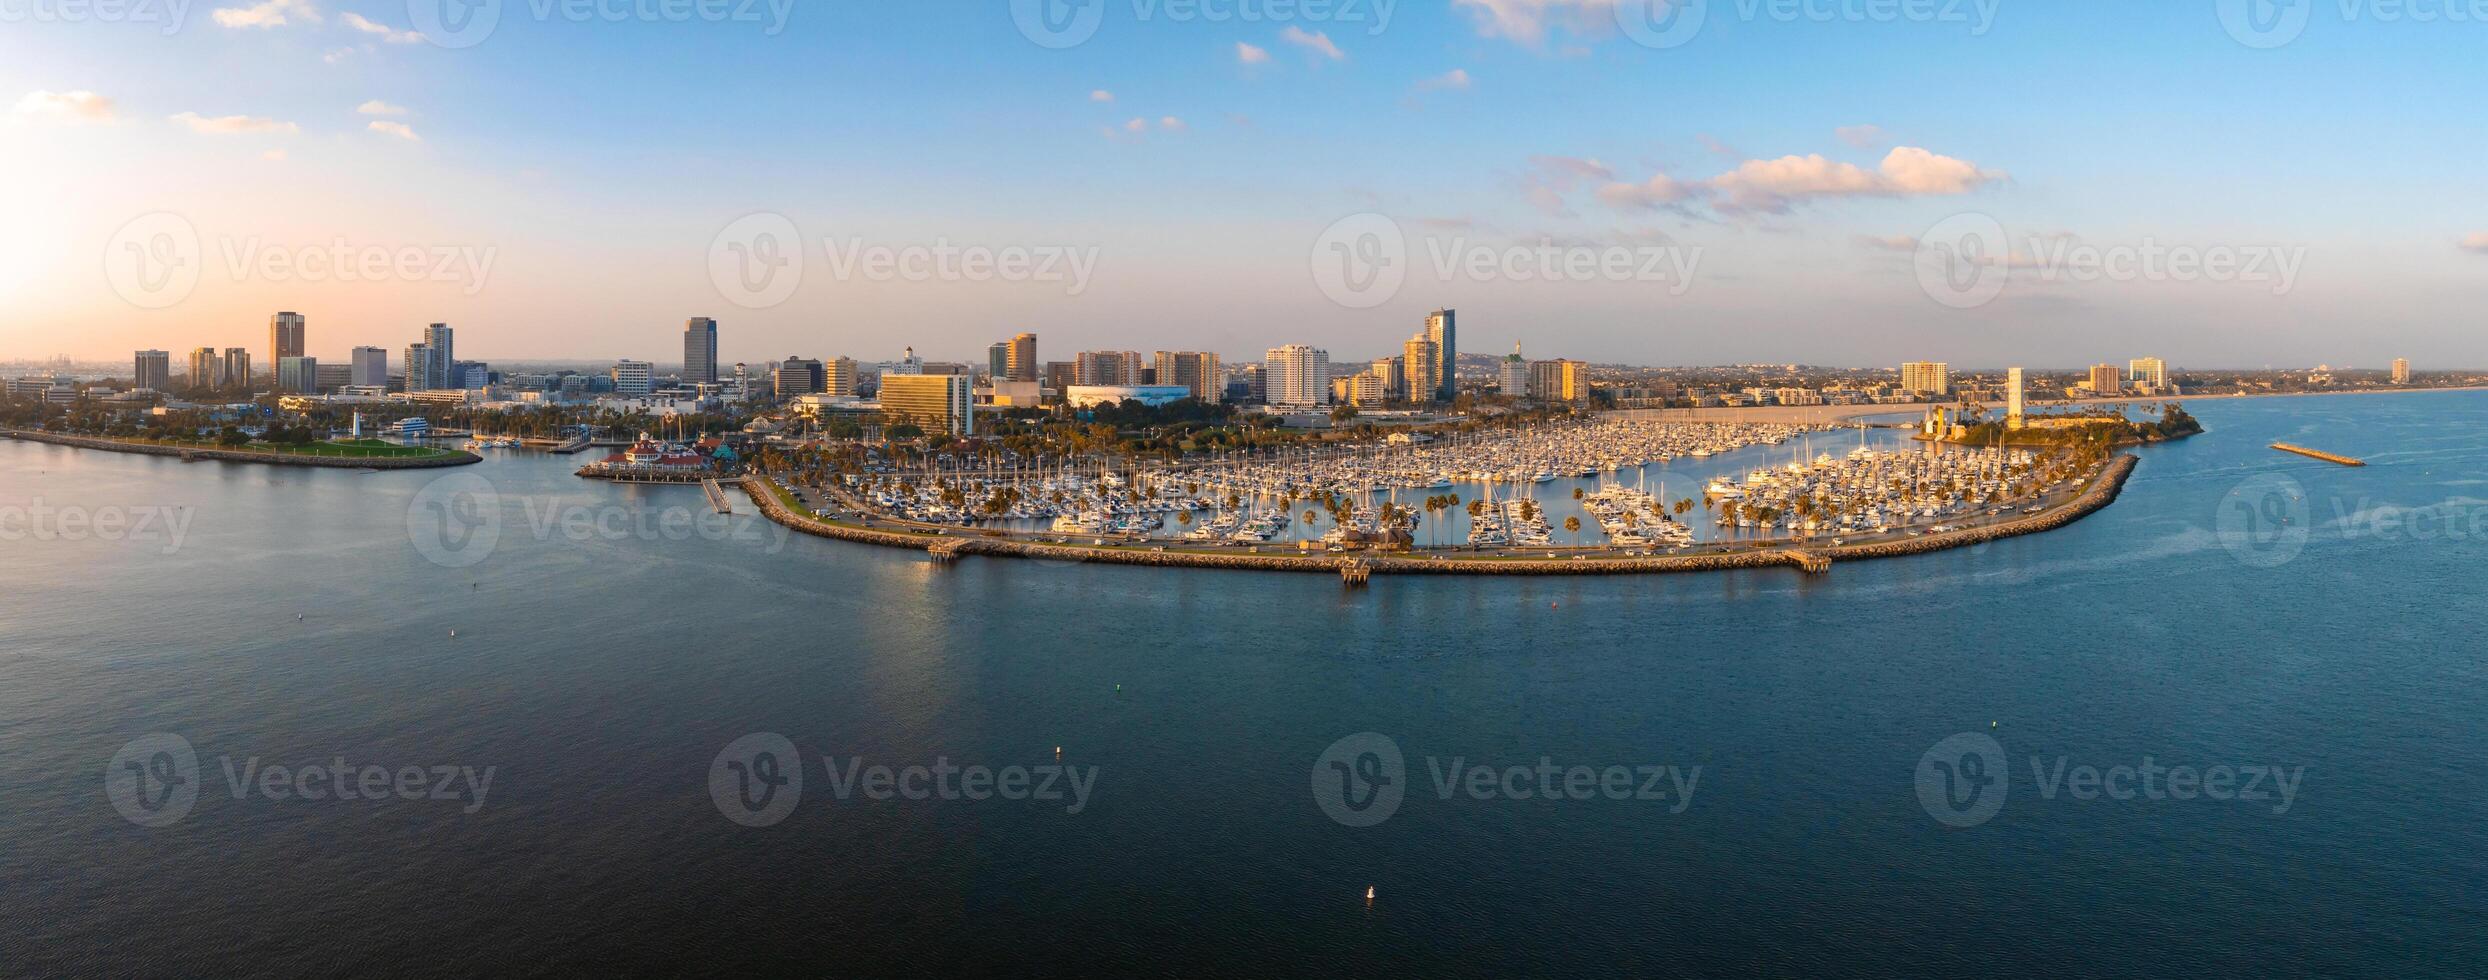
x=2318, y=454
x=717, y=496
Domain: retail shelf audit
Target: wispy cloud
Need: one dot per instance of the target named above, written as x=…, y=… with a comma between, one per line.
x=1456, y=80
x=268, y=13
x=1172, y=124
x=376, y=107
x=78, y=106
x=397, y=129
x=234, y=125
x=1247, y=54
x=1101, y=95
x=1863, y=137
x=1779, y=186
x=1888, y=243
x=1529, y=22
x=2476, y=242
x=1314, y=41
x=386, y=33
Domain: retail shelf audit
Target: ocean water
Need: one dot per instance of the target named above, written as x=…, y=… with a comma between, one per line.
x=2237, y=608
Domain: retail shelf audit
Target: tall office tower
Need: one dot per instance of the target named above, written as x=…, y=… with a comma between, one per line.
x=442, y=341
x=1441, y=327
x=285, y=337
x=1195, y=370
x=1424, y=358
x=1298, y=376
x=934, y=402
x=799, y=376
x=2401, y=370
x=207, y=368
x=633, y=377
x=419, y=368
x=1022, y=361
x=237, y=371
x=1393, y=373
x=699, y=350
x=1559, y=381
x=1515, y=380
x=1251, y=383
x=298, y=375
x=2147, y=372
x=1060, y=375
x=841, y=377
x=1927, y=378
x=155, y=370
x=2105, y=380
x=370, y=367
x=2013, y=398
x=1109, y=367
x=998, y=361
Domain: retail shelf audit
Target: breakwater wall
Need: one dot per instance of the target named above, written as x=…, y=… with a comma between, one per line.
x=454, y=458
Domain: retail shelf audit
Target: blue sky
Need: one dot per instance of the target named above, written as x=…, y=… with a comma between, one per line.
x=597, y=162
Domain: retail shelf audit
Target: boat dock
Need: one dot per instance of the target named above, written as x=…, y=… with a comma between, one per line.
x=2318, y=454
x=717, y=496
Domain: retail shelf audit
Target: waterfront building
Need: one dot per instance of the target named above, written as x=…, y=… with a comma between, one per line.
x=798, y=376
x=1560, y=380
x=1194, y=370
x=1392, y=372
x=635, y=378
x=155, y=370
x=1021, y=359
x=2105, y=380
x=1091, y=396
x=934, y=402
x=420, y=366
x=1441, y=327
x=285, y=337
x=2147, y=372
x=2401, y=370
x=1298, y=376
x=207, y=368
x=1424, y=358
x=1515, y=379
x=2013, y=395
x=298, y=375
x=1932, y=379
x=699, y=350
x=370, y=367
x=237, y=368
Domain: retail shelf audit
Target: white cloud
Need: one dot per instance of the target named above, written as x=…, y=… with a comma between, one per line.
x=387, y=33
x=1456, y=79
x=376, y=107
x=1137, y=125
x=397, y=129
x=1778, y=186
x=232, y=125
x=1862, y=137
x=1172, y=124
x=2476, y=242
x=1250, y=55
x=1101, y=95
x=268, y=13
x=273, y=156
x=337, y=55
x=1528, y=22
x=1318, y=43
x=78, y=106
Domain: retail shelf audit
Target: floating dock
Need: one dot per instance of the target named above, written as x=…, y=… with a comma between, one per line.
x=2318, y=454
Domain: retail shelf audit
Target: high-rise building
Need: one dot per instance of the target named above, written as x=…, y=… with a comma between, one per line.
x=1108, y=367
x=798, y=376
x=998, y=361
x=207, y=368
x=331, y=377
x=285, y=337
x=1515, y=379
x=1060, y=375
x=842, y=377
x=1251, y=383
x=2401, y=370
x=633, y=377
x=1022, y=358
x=155, y=370
x=1424, y=358
x=932, y=402
x=432, y=365
x=2105, y=380
x=420, y=369
x=443, y=342
x=1195, y=370
x=298, y=375
x=699, y=350
x=1559, y=381
x=2013, y=398
x=1930, y=378
x=2147, y=372
x=370, y=367
x=470, y=375
x=1298, y=376
x=237, y=369
x=1442, y=327
x=1392, y=372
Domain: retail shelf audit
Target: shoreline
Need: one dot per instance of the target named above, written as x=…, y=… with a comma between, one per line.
x=1836, y=414
x=2105, y=487
x=102, y=444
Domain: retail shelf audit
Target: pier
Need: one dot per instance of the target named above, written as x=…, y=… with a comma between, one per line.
x=2318, y=454
x=717, y=496
x=1356, y=572
x=1808, y=562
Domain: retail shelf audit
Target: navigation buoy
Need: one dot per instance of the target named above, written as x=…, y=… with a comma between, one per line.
x=1058, y=752
x=453, y=634
x=1369, y=893
x=1991, y=726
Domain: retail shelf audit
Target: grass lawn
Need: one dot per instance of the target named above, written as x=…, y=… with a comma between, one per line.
x=351, y=449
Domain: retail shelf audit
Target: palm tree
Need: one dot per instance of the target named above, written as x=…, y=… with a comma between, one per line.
x=1573, y=524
